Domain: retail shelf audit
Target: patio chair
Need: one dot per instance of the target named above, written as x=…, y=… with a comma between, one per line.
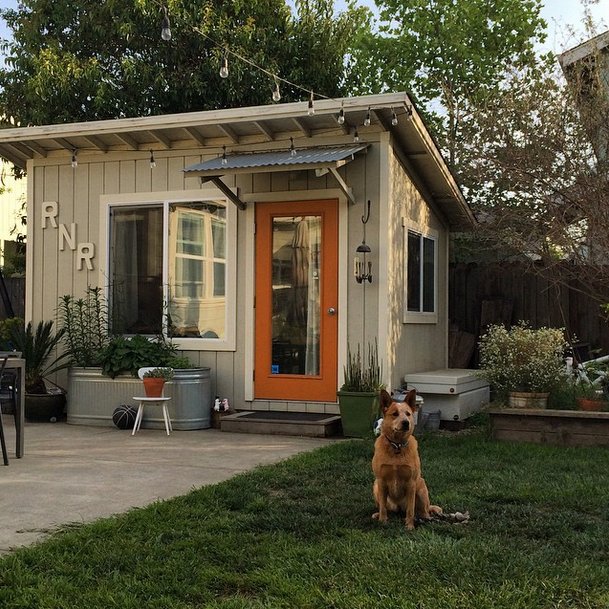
x=142, y=401
x=2, y=436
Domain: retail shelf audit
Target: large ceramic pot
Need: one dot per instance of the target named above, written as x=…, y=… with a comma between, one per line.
x=590, y=404
x=358, y=412
x=47, y=407
x=523, y=399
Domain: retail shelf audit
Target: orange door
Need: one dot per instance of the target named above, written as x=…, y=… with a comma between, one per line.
x=296, y=301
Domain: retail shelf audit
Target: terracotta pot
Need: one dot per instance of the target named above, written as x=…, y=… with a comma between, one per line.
x=522, y=399
x=153, y=387
x=589, y=404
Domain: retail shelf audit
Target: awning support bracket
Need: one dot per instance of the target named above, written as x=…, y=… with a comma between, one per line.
x=345, y=188
x=225, y=190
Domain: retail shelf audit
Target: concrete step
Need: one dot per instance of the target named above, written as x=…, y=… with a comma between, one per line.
x=309, y=424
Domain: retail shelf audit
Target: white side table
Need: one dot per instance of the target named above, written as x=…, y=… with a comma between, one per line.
x=140, y=412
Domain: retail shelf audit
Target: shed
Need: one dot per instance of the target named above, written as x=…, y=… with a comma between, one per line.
x=241, y=227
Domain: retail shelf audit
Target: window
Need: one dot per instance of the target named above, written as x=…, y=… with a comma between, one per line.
x=169, y=271
x=421, y=276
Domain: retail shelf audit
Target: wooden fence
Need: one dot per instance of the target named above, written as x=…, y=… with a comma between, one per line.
x=480, y=294
x=15, y=286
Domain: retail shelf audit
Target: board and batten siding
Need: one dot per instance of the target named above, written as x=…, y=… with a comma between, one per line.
x=77, y=191
x=411, y=346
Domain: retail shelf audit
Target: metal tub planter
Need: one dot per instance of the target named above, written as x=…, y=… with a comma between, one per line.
x=92, y=398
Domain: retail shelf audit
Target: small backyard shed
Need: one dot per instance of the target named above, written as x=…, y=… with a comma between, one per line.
x=240, y=234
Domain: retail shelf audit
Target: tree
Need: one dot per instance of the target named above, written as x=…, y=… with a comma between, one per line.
x=93, y=59
x=448, y=55
x=539, y=176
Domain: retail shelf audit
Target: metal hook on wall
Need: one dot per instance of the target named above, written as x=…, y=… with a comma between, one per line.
x=365, y=220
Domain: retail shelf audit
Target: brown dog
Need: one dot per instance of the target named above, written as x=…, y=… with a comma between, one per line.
x=398, y=484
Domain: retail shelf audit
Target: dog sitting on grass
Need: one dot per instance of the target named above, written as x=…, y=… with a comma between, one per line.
x=399, y=485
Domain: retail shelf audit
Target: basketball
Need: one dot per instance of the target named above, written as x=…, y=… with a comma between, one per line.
x=124, y=416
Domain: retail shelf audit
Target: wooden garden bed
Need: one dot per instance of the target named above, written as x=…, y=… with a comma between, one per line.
x=545, y=426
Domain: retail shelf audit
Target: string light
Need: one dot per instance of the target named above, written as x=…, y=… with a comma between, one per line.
x=224, y=159
x=152, y=160
x=292, y=149
x=165, y=26
x=311, y=110
x=276, y=91
x=74, y=159
x=356, y=136
x=224, y=68
x=367, y=119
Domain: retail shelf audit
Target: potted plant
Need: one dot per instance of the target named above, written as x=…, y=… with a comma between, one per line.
x=589, y=396
x=358, y=398
x=38, y=348
x=155, y=379
x=523, y=364
x=103, y=369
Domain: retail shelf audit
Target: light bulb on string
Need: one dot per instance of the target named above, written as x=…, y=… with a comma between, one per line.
x=152, y=160
x=165, y=26
x=292, y=149
x=224, y=159
x=276, y=91
x=224, y=68
x=394, y=118
x=311, y=110
x=74, y=162
x=367, y=119
x=341, y=116
x=356, y=136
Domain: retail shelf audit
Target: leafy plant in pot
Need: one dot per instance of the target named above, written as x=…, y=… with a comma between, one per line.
x=522, y=364
x=39, y=349
x=155, y=379
x=589, y=396
x=358, y=398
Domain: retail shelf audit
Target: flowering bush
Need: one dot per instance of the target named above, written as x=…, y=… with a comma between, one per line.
x=522, y=359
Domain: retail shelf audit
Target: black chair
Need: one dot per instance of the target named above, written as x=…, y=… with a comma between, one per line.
x=2, y=438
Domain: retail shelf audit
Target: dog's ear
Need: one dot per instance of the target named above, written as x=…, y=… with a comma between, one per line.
x=411, y=399
x=386, y=400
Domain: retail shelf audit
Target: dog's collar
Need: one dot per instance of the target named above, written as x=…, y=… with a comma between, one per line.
x=397, y=446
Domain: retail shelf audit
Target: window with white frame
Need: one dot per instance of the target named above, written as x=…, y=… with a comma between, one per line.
x=421, y=275
x=170, y=272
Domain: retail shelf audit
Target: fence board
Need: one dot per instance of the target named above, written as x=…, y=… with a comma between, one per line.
x=540, y=300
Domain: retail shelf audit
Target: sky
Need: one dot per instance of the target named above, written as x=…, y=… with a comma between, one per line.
x=564, y=19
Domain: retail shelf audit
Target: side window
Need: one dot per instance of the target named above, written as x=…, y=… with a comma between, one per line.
x=420, y=276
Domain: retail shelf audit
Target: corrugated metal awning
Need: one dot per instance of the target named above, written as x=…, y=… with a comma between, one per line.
x=278, y=160
x=329, y=158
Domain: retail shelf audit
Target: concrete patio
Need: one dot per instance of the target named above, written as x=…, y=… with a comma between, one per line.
x=78, y=474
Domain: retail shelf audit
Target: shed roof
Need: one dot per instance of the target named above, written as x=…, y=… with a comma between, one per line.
x=246, y=129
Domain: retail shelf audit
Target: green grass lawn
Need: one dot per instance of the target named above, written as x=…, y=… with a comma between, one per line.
x=299, y=534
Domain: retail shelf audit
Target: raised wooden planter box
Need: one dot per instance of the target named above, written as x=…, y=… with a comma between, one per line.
x=546, y=426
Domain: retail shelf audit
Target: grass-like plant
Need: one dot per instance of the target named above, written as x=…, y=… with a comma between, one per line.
x=363, y=375
x=537, y=538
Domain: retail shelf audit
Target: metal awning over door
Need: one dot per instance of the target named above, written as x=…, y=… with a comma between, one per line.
x=329, y=158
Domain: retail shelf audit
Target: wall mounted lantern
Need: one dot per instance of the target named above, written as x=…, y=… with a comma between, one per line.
x=362, y=267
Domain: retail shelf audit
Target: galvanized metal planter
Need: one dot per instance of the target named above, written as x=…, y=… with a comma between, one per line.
x=93, y=397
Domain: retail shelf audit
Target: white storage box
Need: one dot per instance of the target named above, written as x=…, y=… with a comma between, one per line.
x=457, y=393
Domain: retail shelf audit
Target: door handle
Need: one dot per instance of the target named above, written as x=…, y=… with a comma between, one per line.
x=331, y=311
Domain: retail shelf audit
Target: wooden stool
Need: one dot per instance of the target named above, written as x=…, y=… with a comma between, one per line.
x=140, y=412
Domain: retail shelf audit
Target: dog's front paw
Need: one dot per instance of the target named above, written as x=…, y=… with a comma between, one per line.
x=410, y=525
x=377, y=516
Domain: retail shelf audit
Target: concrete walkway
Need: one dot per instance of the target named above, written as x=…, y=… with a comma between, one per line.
x=78, y=474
